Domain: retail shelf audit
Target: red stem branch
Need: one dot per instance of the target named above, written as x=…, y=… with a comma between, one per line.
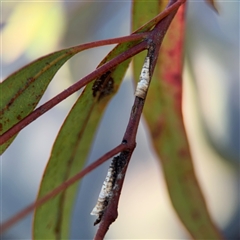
x=154, y=40
x=133, y=37
x=75, y=87
x=6, y=225
x=129, y=140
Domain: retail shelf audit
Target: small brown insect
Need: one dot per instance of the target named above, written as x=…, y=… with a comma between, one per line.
x=103, y=86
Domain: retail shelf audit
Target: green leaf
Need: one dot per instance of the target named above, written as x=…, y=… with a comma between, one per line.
x=163, y=113
x=142, y=13
x=70, y=151
x=21, y=91
x=77, y=133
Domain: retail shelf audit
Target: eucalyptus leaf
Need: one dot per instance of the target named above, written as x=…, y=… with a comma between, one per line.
x=163, y=114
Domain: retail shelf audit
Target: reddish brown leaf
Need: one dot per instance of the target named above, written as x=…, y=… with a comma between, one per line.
x=163, y=113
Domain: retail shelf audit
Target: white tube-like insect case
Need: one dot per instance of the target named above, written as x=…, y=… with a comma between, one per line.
x=144, y=79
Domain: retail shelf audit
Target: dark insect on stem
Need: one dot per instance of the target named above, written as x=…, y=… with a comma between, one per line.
x=109, y=185
x=151, y=54
x=106, y=191
x=103, y=86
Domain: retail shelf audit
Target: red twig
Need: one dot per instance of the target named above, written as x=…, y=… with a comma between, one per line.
x=78, y=85
x=133, y=37
x=75, y=87
x=61, y=188
x=129, y=140
x=110, y=214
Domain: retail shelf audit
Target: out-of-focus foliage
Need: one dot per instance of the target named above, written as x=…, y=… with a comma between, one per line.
x=39, y=19
x=212, y=3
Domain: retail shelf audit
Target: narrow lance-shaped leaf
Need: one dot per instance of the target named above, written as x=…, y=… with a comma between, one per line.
x=19, y=99
x=21, y=91
x=70, y=152
x=163, y=113
x=142, y=13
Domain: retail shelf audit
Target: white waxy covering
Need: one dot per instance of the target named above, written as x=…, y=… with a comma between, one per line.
x=105, y=193
x=144, y=79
